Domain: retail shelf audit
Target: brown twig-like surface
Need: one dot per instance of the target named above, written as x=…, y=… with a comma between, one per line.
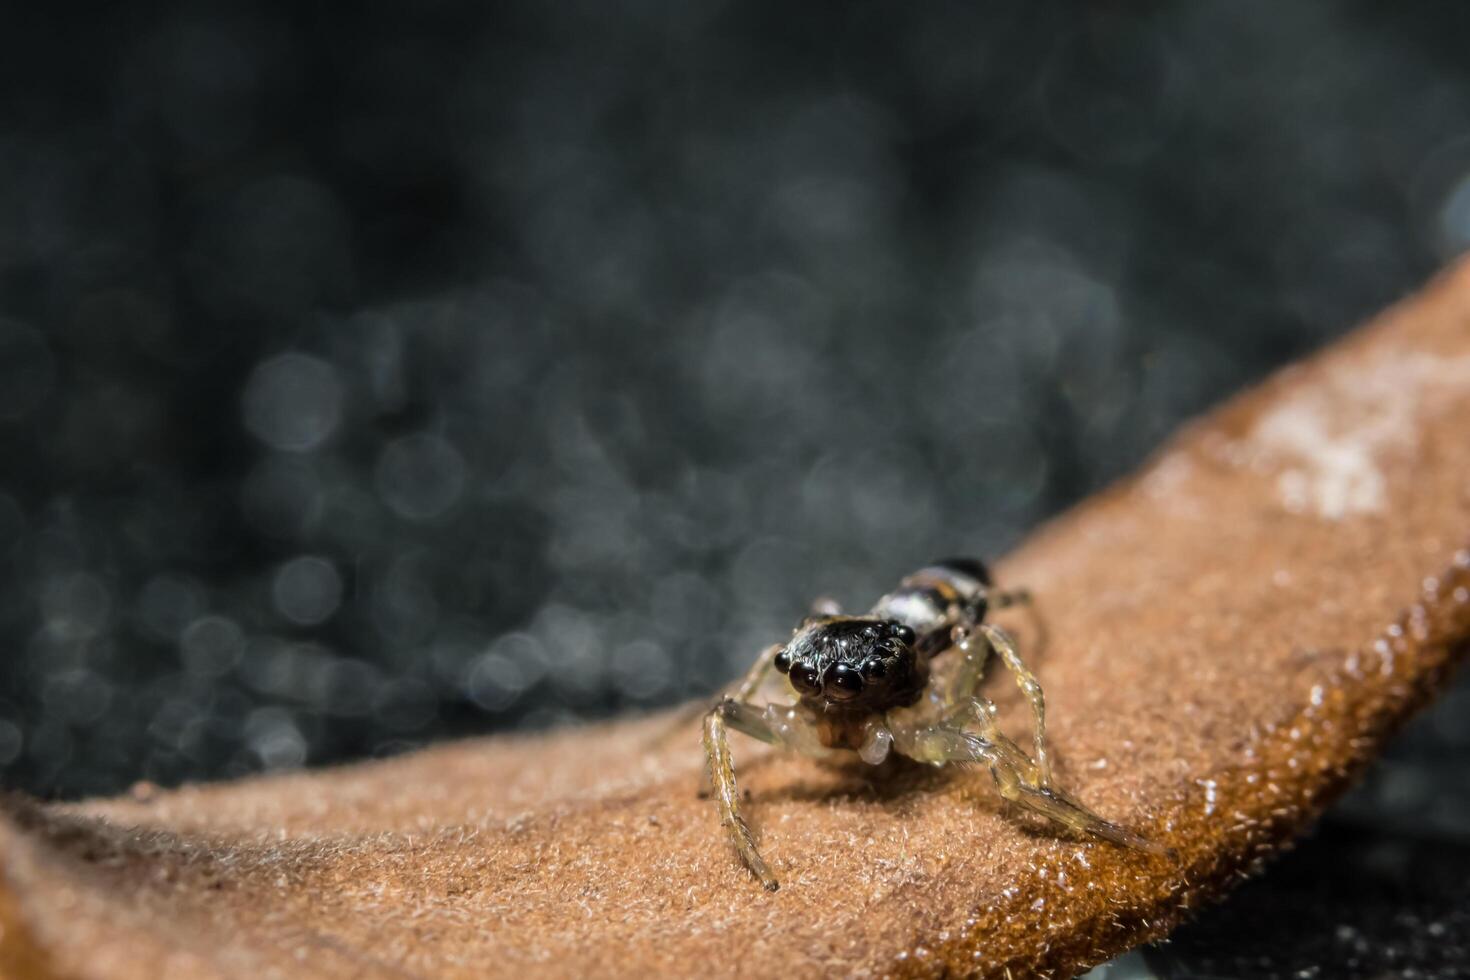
x=1233, y=634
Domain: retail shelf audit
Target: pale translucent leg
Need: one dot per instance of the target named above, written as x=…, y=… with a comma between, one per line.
x=959, y=688
x=974, y=644
x=824, y=606
x=1023, y=597
x=1004, y=598
x=785, y=726
x=1016, y=777
x=757, y=674
x=1001, y=643
x=722, y=778
x=744, y=691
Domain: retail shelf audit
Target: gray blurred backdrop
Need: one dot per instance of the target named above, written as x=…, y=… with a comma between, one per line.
x=370, y=377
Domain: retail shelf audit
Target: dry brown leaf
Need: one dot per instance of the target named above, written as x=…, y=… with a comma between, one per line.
x=1233, y=633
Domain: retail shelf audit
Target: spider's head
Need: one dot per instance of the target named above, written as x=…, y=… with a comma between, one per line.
x=853, y=662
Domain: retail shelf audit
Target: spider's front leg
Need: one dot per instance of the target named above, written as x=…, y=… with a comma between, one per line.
x=1016, y=777
x=722, y=778
x=744, y=691
x=785, y=726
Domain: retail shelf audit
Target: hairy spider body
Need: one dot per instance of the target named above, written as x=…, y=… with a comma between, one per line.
x=929, y=600
x=864, y=684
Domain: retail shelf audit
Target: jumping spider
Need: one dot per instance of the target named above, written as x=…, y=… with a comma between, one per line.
x=863, y=683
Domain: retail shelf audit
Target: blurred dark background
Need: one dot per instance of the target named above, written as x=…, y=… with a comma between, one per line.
x=371, y=376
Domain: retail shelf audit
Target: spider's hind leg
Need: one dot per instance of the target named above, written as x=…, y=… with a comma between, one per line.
x=1005, y=598
x=1010, y=598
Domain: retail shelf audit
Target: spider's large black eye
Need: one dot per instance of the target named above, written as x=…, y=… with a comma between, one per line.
x=904, y=634
x=875, y=669
x=805, y=679
x=782, y=661
x=844, y=682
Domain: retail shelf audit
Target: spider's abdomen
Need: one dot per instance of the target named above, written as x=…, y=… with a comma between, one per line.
x=927, y=600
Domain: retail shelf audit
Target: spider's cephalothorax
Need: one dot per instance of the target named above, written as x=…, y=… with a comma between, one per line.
x=864, y=683
x=854, y=663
